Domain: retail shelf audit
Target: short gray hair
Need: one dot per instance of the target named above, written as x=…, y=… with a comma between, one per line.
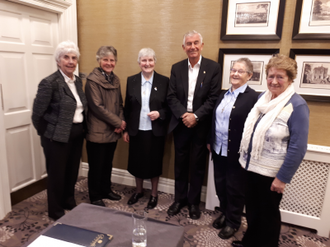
x=191, y=33
x=64, y=48
x=247, y=62
x=147, y=52
x=105, y=51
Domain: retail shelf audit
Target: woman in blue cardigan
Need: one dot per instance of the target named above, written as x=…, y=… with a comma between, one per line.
x=274, y=142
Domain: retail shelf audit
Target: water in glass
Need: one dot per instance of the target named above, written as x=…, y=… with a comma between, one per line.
x=139, y=234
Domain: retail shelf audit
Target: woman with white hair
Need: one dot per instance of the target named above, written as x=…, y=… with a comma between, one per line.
x=105, y=121
x=146, y=114
x=58, y=116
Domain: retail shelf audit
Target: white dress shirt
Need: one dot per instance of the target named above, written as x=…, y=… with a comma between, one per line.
x=78, y=116
x=192, y=79
x=145, y=122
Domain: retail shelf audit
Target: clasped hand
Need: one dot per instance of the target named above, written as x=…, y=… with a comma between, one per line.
x=189, y=120
x=121, y=128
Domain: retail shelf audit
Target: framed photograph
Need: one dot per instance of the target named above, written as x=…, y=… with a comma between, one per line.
x=259, y=59
x=312, y=20
x=313, y=77
x=252, y=19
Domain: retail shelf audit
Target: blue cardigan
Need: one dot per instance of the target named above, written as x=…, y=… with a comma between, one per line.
x=298, y=125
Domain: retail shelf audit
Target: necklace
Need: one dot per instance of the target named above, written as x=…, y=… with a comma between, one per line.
x=225, y=104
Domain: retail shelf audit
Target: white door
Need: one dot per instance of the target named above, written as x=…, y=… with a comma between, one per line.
x=28, y=38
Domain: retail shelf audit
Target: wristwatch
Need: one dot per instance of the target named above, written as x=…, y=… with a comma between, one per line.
x=197, y=119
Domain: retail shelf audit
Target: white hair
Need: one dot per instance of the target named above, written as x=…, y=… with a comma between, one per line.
x=64, y=48
x=147, y=52
x=189, y=34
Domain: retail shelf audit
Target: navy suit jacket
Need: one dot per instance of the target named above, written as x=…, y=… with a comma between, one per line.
x=157, y=102
x=207, y=90
x=241, y=108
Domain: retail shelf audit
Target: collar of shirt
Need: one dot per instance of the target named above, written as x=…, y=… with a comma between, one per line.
x=198, y=63
x=241, y=89
x=68, y=79
x=143, y=80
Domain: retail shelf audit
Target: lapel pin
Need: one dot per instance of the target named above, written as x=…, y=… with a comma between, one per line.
x=155, y=88
x=204, y=72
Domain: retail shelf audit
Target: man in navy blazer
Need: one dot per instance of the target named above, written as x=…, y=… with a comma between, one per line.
x=193, y=89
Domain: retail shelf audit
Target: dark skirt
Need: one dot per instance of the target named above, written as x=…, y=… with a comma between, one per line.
x=145, y=158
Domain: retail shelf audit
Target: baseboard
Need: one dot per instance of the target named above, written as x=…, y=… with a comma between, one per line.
x=121, y=176
x=28, y=191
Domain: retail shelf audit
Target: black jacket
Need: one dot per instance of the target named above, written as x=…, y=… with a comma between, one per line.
x=54, y=107
x=206, y=92
x=243, y=105
x=157, y=102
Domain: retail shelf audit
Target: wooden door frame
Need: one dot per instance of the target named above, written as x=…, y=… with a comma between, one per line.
x=67, y=16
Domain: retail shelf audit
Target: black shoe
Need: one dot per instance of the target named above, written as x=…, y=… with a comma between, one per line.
x=152, y=202
x=194, y=212
x=54, y=217
x=112, y=196
x=134, y=198
x=227, y=232
x=237, y=243
x=175, y=208
x=98, y=203
x=219, y=222
x=70, y=206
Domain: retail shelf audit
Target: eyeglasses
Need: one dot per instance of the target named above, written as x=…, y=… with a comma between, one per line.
x=278, y=78
x=240, y=71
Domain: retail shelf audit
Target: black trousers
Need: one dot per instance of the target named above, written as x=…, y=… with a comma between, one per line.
x=262, y=212
x=190, y=158
x=230, y=185
x=62, y=164
x=100, y=156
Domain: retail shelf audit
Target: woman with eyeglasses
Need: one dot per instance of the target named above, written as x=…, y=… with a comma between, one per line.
x=274, y=142
x=230, y=112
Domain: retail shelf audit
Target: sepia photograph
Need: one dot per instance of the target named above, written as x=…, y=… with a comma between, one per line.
x=259, y=59
x=252, y=19
x=252, y=14
x=312, y=20
x=320, y=14
x=315, y=75
x=258, y=68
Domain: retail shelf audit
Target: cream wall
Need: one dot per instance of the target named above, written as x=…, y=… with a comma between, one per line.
x=133, y=24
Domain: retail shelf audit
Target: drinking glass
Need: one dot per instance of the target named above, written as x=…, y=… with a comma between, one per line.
x=139, y=233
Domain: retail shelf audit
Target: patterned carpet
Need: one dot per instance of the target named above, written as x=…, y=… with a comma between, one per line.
x=29, y=217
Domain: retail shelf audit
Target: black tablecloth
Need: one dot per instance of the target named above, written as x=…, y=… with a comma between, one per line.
x=120, y=225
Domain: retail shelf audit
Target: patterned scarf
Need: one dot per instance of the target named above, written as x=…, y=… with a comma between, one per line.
x=270, y=109
x=109, y=78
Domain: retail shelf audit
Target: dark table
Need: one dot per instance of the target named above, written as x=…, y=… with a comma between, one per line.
x=119, y=224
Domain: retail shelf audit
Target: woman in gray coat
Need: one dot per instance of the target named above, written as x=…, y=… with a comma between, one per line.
x=105, y=123
x=58, y=116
